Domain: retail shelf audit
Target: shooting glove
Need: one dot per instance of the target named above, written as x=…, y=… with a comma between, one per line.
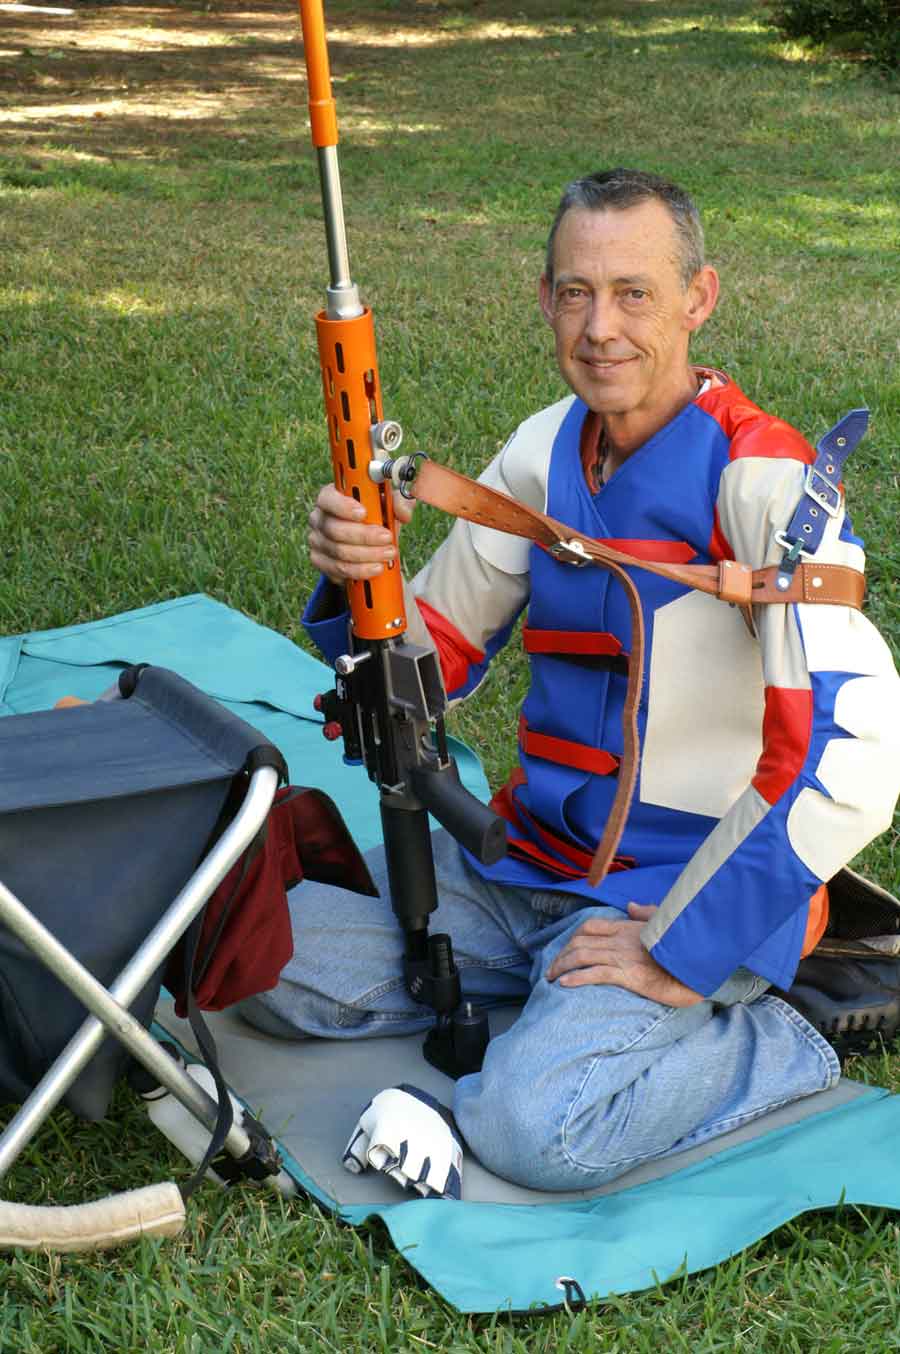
x=410, y=1136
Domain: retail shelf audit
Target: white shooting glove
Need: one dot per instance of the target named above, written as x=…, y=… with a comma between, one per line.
x=411, y=1137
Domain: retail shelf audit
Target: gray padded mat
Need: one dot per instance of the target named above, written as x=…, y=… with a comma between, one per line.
x=309, y=1094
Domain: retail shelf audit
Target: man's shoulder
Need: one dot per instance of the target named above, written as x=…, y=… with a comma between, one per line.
x=523, y=464
x=750, y=431
x=543, y=426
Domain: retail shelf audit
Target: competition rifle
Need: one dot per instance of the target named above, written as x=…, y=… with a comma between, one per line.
x=388, y=702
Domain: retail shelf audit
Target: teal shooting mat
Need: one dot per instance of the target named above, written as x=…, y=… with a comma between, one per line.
x=505, y=1248
x=501, y=1248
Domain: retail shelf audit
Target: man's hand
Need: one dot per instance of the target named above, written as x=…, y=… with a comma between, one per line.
x=342, y=545
x=610, y=952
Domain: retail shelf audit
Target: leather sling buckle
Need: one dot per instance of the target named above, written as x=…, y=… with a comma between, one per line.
x=735, y=582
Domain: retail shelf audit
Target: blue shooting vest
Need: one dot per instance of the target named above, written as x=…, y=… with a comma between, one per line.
x=663, y=494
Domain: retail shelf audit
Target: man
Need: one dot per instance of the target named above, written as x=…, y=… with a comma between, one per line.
x=647, y=1026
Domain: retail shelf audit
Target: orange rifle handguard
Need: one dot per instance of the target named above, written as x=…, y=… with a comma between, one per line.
x=353, y=404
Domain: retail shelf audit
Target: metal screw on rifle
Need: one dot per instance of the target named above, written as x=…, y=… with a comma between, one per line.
x=349, y=662
x=386, y=435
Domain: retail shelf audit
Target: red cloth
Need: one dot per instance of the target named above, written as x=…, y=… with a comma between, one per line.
x=245, y=934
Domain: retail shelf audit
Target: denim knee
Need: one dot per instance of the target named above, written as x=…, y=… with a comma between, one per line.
x=294, y=1011
x=512, y=1132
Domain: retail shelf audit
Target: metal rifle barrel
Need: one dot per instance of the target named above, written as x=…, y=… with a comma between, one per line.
x=345, y=303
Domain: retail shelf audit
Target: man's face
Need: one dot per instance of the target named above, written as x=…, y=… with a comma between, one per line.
x=620, y=313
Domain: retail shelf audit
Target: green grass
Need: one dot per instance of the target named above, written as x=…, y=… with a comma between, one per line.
x=161, y=432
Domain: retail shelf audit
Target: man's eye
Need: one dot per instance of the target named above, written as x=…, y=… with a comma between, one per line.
x=635, y=294
x=571, y=293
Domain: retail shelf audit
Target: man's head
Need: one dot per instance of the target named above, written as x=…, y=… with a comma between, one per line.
x=625, y=286
x=613, y=190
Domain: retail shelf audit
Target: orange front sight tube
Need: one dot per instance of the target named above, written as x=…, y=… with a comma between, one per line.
x=353, y=404
x=322, y=115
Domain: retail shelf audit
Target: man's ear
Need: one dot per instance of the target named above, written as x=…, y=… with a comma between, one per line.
x=702, y=295
x=545, y=296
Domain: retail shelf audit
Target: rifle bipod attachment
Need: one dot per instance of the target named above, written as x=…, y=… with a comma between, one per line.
x=388, y=705
x=457, y=1042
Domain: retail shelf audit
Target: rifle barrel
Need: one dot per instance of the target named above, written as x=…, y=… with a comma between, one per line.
x=343, y=297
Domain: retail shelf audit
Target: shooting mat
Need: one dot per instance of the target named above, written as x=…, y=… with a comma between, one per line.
x=502, y=1247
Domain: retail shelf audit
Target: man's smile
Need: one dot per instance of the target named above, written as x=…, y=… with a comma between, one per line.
x=607, y=363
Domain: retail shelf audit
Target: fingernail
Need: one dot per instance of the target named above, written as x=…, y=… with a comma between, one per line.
x=359, y=511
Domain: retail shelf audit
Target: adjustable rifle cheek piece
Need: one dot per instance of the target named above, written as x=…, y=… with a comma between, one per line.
x=388, y=702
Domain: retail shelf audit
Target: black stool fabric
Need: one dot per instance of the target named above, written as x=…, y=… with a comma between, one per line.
x=105, y=812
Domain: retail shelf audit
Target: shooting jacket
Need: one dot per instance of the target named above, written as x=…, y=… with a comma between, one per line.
x=767, y=762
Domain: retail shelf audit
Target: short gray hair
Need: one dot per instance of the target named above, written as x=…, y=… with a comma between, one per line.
x=615, y=190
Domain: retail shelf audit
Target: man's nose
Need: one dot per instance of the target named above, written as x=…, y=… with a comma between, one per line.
x=602, y=319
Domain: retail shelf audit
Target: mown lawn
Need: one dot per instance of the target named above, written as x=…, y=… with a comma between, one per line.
x=161, y=432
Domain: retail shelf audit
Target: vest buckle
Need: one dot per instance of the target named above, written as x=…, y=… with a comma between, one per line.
x=570, y=552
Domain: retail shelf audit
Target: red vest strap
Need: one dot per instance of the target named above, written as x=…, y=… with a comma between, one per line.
x=576, y=855
x=667, y=552
x=570, y=641
x=524, y=848
x=566, y=753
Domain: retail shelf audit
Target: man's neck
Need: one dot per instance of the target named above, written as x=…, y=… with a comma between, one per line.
x=623, y=434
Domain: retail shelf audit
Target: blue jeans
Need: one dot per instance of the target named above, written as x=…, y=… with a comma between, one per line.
x=589, y=1081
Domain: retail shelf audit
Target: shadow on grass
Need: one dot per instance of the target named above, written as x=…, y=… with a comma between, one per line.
x=175, y=84
x=208, y=107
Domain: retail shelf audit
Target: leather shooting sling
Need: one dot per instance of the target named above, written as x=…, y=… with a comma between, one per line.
x=728, y=580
